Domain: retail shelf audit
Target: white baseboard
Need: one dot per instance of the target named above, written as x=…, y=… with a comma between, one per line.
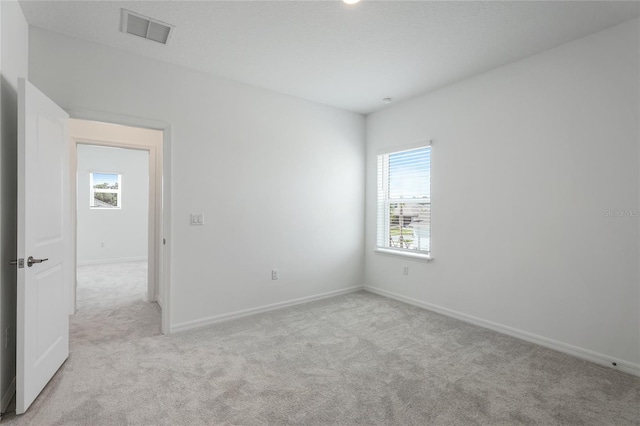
x=578, y=352
x=8, y=396
x=118, y=260
x=188, y=325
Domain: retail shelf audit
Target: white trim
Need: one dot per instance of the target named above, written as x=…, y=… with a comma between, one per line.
x=159, y=301
x=8, y=396
x=189, y=325
x=402, y=253
x=155, y=187
x=578, y=352
x=163, y=201
x=116, y=260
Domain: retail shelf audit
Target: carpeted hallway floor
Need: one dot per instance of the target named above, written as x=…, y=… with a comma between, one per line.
x=357, y=359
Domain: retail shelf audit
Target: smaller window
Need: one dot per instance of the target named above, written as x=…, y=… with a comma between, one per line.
x=106, y=189
x=404, y=201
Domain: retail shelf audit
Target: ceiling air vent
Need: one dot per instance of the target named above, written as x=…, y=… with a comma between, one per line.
x=142, y=26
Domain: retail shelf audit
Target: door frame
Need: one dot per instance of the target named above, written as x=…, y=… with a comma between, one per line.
x=159, y=247
x=152, y=233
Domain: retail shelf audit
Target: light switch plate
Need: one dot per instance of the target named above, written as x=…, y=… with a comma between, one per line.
x=197, y=219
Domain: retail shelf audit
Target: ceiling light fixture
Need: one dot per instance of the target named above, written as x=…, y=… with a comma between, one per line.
x=386, y=100
x=351, y=1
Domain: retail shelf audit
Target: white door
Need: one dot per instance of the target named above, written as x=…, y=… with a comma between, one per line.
x=42, y=335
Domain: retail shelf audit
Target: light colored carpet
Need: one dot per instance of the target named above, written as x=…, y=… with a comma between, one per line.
x=357, y=359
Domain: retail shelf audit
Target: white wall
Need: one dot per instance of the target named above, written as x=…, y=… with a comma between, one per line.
x=113, y=235
x=278, y=179
x=14, y=42
x=526, y=161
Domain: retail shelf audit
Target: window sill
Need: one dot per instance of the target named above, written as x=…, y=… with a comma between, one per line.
x=415, y=256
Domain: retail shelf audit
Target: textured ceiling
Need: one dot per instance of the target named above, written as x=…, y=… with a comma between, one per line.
x=349, y=57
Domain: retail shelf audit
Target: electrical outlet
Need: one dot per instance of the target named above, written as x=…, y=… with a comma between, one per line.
x=275, y=274
x=197, y=219
x=405, y=270
x=102, y=244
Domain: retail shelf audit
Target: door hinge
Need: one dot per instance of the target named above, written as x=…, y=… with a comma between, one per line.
x=19, y=262
x=164, y=241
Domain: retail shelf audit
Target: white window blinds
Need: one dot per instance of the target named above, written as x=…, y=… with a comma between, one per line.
x=404, y=201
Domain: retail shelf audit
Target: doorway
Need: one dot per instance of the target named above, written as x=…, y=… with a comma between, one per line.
x=47, y=229
x=117, y=218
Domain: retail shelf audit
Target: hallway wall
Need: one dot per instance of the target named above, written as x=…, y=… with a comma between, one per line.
x=118, y=234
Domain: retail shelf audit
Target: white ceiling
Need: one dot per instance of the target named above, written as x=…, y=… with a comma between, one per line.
x=349, y=57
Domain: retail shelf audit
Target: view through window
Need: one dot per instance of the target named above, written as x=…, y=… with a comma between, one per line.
x=105, y=190
x=404, y=200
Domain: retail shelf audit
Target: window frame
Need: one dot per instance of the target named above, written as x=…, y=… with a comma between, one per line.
x=383, y=207
x=93, y=191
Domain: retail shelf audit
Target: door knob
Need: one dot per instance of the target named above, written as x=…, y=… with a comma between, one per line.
x=31, y=261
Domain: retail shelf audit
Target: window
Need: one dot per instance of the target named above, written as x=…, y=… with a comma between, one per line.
x=105, y=190
x=404, y=201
